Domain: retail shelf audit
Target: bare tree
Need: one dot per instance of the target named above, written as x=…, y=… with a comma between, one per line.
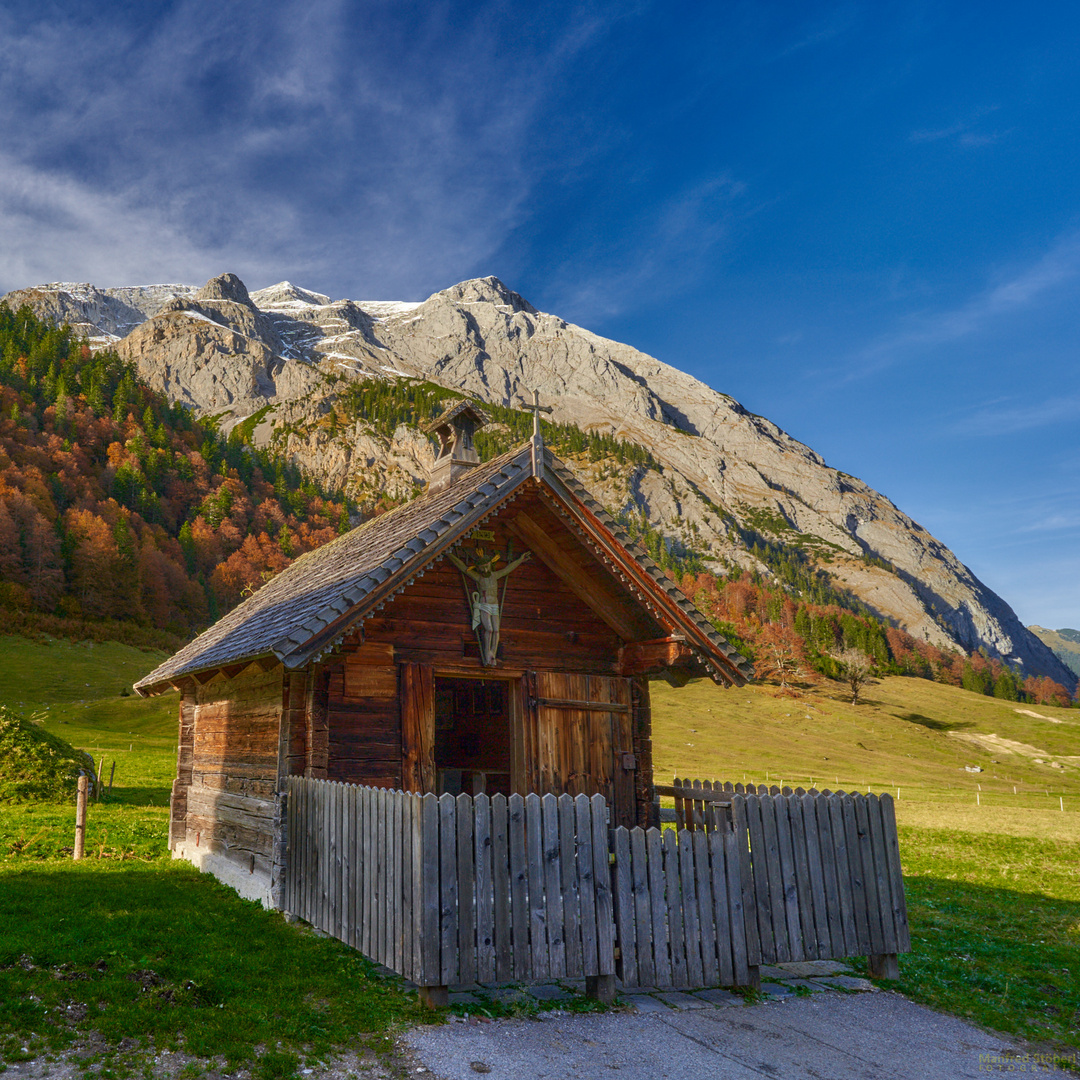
x=855, y=669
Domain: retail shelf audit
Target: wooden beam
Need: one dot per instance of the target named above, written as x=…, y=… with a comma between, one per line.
x=586, y=706
x=653, y=657
x=588, y=587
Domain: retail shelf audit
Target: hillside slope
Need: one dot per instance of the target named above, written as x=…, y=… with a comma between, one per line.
x=724, y=484
x=1065, y=644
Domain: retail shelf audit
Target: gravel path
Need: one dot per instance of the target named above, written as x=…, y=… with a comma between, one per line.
x=831, y=1036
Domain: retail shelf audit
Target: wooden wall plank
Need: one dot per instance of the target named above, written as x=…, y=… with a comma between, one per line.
x=466, y=877
x=835, y=845
x=763, y=908
x=870, y=880
x=855, y=875
x=398, y=881
x=571, y=897
x=605, y=910
x=896, y=878
x=721, y=914
x=586, y=883
x=658, y=908
x=789, y=882
x=418, y=727
x=519, y=888
x=804, y=899
x=744, y=954
x=643, y=923
x=688, y=886
x=448, y=907
x=707, y=930
x=534, y=861
x=675, y=908
x=816, y=866
x=432, y=968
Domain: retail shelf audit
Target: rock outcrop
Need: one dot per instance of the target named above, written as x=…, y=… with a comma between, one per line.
x=723, y=472
x=102, y=315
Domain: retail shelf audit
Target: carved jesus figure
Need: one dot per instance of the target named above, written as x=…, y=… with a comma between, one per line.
x=484, y=599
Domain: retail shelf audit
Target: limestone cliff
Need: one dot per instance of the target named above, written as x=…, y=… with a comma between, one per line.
x=723, y=473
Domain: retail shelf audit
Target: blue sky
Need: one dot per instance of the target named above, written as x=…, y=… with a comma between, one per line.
x=861, y=220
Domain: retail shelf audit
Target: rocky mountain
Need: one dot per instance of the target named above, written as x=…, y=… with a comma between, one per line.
x=726, y=483
x=103, y=315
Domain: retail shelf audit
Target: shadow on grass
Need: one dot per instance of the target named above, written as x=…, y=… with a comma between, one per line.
x=166, y=954
x=1003, y=958
x=155, y=795
x=932, y=724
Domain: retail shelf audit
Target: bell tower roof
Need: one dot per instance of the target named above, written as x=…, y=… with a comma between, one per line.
x=457, y=455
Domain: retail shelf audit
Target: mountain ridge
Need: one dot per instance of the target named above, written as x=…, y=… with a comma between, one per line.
x=723, y=476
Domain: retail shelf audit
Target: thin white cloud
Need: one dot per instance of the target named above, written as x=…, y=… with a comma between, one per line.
x=272, y=140
x=963, y=131
x=56, y=228
x=683, y=231
x=1013, y=295
x=834, y=24
x=1013, y=418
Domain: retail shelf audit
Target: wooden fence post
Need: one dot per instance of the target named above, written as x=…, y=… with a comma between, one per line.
x=80, y=817
x=883, y=965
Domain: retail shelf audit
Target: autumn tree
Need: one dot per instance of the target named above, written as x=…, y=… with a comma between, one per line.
x=782, y=657
x=855, y=669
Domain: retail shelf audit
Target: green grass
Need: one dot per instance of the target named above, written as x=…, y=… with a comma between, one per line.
x=910, y=734
x=129, y=945
x=995, y=923
x=82, y=691
x=144, y=947
x=163, y=954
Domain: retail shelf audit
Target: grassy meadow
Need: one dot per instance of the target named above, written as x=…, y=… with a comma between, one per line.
x=130, y=944
x=992, y=876
x=82, y=692
x=127, y=953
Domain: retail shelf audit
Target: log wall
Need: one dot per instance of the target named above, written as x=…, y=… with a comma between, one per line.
x=364, y=718
x=545, y=625
x=231, y=815
x=377, y=695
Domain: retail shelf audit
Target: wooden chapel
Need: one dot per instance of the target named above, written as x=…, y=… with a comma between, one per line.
x=496, y=634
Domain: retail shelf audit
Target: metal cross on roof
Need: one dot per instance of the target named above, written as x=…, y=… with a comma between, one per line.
x=536, y=409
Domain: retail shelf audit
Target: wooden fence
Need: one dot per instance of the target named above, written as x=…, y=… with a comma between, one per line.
x=449, y=890
x=824, y=868
x=680, y=903
x=826, y=875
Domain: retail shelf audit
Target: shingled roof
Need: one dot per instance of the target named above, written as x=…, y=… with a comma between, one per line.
x=306, y=607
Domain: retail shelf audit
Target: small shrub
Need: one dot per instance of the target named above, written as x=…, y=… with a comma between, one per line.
x=34, y=764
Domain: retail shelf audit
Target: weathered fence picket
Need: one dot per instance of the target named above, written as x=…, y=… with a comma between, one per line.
x=449, y=890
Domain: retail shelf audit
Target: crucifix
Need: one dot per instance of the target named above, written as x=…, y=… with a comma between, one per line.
x=484, y=603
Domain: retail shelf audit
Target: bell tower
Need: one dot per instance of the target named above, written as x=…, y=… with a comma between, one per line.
x=457, y=455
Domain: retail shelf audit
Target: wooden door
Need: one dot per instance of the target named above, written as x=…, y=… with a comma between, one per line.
x=582, y=740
